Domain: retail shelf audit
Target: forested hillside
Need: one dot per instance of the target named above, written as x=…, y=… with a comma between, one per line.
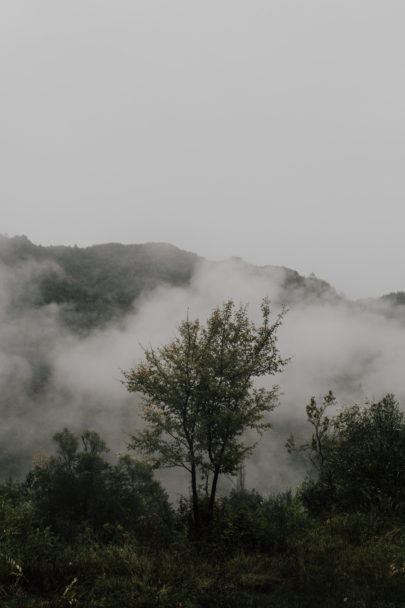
x=94, y=285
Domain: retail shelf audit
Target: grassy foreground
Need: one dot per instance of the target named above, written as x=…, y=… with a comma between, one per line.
x=273, y=554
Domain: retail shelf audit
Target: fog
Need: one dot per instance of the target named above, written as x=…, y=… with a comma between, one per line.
x=51, y=378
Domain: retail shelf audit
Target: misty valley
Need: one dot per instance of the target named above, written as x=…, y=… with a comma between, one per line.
x=182, y=432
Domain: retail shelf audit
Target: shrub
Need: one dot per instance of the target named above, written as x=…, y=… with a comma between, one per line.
x=363, y=459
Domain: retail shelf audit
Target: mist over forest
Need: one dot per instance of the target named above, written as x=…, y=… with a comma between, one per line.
x=72, y=318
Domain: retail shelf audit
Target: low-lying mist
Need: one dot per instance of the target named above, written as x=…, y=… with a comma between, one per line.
x=51, y=378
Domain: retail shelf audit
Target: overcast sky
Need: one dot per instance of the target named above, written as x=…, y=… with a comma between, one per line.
x=271, y=130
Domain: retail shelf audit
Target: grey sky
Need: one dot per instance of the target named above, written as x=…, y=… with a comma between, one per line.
x=271, y=130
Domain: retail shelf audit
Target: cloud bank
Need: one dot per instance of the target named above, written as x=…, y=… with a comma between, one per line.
x=51, y=378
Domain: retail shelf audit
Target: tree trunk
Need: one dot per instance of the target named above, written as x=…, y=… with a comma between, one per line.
x=212, y=496
x=196, y=510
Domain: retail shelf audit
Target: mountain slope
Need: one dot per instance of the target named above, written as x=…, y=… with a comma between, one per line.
x=96, y=285
x=93, y=285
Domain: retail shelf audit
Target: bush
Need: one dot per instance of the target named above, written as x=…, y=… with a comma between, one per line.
x=246, y=520
x=363, y=460
x=79, y=488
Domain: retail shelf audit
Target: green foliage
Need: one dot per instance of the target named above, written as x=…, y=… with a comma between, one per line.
x=318, y=448
x=363, y=457
x=353, y=559
x=199, y=395
x=262, y=552
x=94, y=285
x=79, y=487
x=248, y=521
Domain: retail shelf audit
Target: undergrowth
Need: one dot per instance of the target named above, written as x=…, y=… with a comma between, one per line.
x=262, y=553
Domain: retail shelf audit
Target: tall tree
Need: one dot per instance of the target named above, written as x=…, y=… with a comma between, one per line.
x=199, y=397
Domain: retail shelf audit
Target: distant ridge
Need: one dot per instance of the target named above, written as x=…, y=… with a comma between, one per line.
x=96, y=285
